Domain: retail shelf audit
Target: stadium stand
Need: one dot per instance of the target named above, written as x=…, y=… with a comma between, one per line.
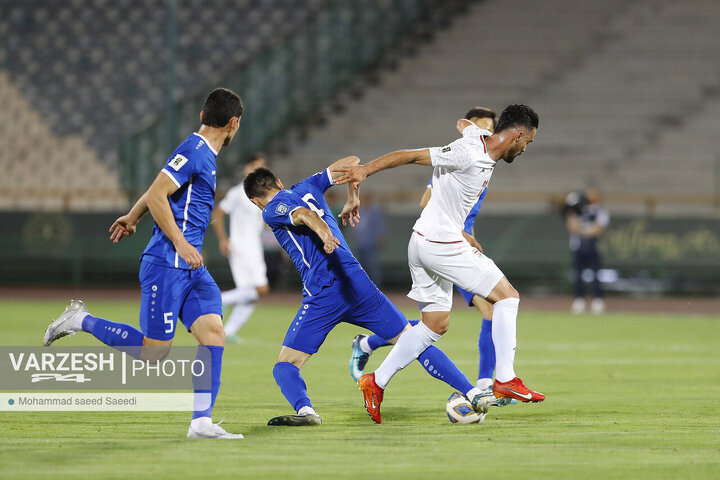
x=633, y=76
x=94, y=72
x=45, y=171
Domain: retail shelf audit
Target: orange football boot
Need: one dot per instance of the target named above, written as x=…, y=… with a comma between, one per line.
x=373, y=396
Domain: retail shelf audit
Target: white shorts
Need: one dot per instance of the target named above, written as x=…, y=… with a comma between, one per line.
x=248, y=270
x=436, y=267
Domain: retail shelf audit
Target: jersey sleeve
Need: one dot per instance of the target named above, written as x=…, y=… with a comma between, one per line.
x=321, y=181
x=455, y=156
x=181, y=168
x=278, y=213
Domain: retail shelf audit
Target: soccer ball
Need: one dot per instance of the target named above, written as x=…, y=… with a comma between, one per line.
x=459, y=410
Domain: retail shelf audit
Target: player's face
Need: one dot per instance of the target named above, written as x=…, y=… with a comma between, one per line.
x=232, y=126
x=519, y=144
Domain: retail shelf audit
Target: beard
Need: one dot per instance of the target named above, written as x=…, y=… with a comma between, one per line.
x=510, y=156
x=227, y=140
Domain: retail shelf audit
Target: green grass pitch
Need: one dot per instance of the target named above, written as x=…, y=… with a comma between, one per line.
x=628, y=396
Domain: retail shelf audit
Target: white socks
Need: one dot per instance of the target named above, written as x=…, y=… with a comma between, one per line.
x=504, y=328
x=239, y=315
x=239, y=295
x=305, y=410
x=484, y=383
x=411, y=343
x=365, y=345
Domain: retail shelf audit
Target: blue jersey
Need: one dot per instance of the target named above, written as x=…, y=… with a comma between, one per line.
x=317, y=268
x=192, y=168
x=470, y=220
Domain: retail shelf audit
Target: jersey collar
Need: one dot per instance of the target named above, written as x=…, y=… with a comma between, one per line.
x=207, y=143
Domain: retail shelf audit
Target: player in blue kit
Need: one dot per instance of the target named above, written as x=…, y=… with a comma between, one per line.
x=335, y=287
x=364, y=345
x=175, y=283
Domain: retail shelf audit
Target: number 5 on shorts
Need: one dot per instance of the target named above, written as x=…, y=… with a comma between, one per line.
x=169, y=323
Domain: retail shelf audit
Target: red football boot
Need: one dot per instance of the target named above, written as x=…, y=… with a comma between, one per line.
x=373, y=396
x=515, y=389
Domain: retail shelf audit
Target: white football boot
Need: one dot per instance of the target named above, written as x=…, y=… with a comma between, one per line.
x=213, y=431
x=69, y=322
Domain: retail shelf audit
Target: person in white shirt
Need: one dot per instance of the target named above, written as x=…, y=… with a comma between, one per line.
x=244, y=250
x=440, y=256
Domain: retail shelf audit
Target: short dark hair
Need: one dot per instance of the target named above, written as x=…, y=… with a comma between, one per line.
x=221, y=105
x=259, y=182
x=481, y=112
x=517, y=114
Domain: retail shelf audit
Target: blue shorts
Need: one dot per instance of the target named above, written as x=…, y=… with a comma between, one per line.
x=466, y=295
x=320, y=313
x=169, y=294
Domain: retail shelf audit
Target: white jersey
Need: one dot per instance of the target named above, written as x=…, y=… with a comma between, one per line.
x=462, y=171
x=246, y=224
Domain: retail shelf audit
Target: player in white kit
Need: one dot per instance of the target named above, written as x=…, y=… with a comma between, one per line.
x=439, y=256
x=244, y=250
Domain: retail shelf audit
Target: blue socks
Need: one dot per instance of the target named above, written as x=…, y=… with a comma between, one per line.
x=376, y=341
x=113, y=334
x=487, y=351
x=291, y=384
x=204, y=397
x=437, y=364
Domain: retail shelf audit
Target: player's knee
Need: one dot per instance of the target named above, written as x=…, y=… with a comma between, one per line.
x=155, y=352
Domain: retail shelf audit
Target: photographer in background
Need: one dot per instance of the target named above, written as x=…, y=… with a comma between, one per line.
x=586, y=221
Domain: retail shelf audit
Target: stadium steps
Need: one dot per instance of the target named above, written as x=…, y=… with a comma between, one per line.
x=631, y=70
x=44, y=171
x=419, y=104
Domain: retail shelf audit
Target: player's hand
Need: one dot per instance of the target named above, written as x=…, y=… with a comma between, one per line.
x=225, y=247
x=121, y=228
x=356, y=174
x=350, y=213
x=331, y=243
x=189, y=253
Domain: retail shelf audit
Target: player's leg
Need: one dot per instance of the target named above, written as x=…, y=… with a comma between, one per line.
x=249, y=275
x=378, y=314
x=287, y=375
x=476, y=273
x=598, y=303
x=201, y=313
x=506, y=300
x=362, y=347
x=307, y=332
x=154, y=282
x=486, y=347
x=578, y=305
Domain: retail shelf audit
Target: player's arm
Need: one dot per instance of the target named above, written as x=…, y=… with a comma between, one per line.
x=218, y=223
x=426, y=197
x=594, y=231
x=472, y=241
x=351, y=211
x=462, y=124
x=126, y=225
x=573, y=224
x=359, y=173
x=305, y=216
x=157, y=201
